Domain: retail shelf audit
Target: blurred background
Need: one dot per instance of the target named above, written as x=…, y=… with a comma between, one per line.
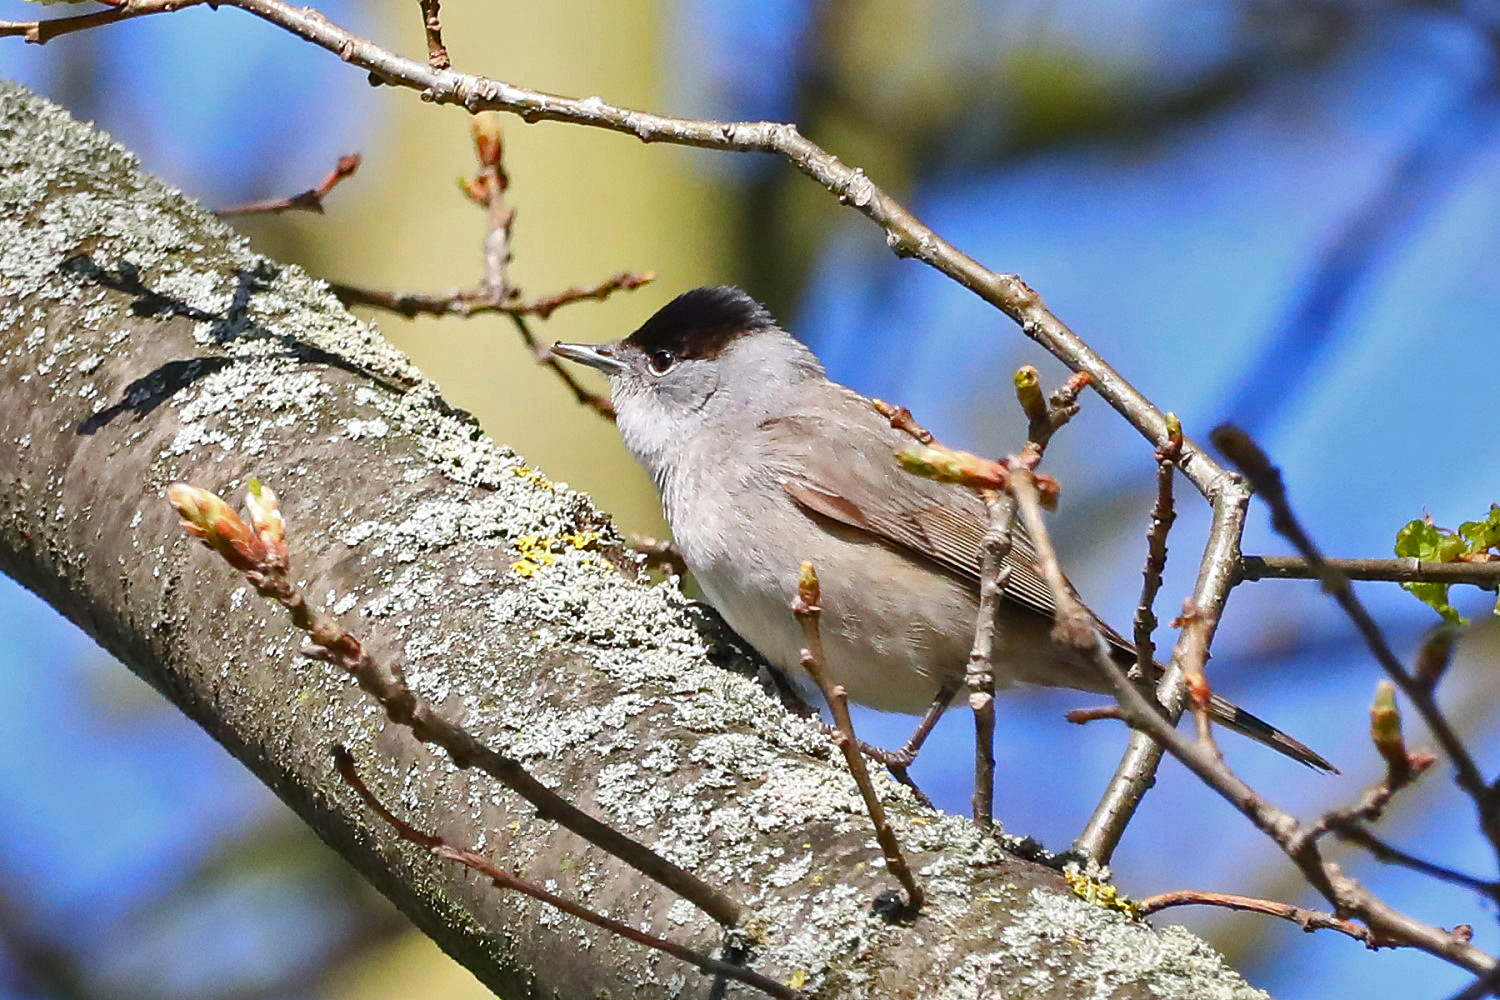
x=1282, y=213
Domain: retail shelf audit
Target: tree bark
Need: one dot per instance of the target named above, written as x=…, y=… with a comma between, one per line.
x=142, y=342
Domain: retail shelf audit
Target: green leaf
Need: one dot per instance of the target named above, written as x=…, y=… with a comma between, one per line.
x=1435, y=596
x=1482, y=535
x=1418, y=540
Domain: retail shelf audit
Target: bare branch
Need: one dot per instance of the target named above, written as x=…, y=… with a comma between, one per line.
x=1480, y=574
x=432, y=26
x=546, y=305
x=805, y=606
x=1484, y=986
x=1355, y=833
x=473, y=301
x=310, y=200
x=1137, y=769
x=42, y=32
x=1309, y=920
x=1163, y=514
x=1044, y=416
x=495, y=292
x=1075, y=626
x=994, y=574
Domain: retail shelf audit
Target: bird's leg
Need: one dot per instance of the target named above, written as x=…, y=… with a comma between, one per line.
x=904, y=757
x=897, y=761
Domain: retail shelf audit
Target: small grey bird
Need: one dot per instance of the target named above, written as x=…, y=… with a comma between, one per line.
x=761, y=462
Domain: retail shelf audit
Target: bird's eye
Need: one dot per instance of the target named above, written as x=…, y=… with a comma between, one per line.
x=661, y=362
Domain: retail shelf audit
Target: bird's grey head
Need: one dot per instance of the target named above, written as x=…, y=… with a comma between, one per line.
x=709, y=361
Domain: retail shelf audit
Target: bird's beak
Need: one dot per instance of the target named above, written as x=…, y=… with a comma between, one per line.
x=601, y=356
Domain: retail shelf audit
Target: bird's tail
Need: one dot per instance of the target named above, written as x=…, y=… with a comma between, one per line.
x=1261, y=731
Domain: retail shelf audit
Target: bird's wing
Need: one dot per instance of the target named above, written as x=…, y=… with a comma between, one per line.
x=858, y=482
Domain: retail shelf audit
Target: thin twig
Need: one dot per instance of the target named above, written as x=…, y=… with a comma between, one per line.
x=1200, y=695
x=544, y=357
x=1370, y=806
x=1246, y=455
x=1309, y=920
x=310, y=200
x=807, y=610
x=1075, y=627
x=1136, y=771
x=259, y=552
x=1355, y=833
x=501, y=879
x=432, y=26
x=1480, y=574
x=42, y=32
x=1163, y=514
x=488, y=189
x=495, y=292
x=994, y=573
x=979, y=677
x=467, y=302
x=1083, y=716
x=546, y=305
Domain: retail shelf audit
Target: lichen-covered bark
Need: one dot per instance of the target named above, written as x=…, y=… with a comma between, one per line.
x=141, y=342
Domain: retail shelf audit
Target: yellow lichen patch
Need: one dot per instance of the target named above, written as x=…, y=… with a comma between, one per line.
x=1099, y=893
x=534, y=477
x=540, y=550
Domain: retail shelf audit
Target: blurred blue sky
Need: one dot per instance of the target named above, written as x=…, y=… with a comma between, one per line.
x=1315, y=257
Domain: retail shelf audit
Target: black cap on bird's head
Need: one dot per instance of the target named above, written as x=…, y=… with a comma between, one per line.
x=696, y=325
x=701, y=323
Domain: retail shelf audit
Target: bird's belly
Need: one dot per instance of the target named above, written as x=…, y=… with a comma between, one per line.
x=893, y=631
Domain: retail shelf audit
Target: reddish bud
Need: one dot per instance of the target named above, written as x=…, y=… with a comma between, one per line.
x=901, y=419
x=1198, y=689
x=488, y=137
x=208, y=518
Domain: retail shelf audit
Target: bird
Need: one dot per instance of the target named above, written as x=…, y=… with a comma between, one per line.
x=762, y=462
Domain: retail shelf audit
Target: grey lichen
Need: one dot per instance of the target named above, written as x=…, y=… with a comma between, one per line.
x=1059, y=934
